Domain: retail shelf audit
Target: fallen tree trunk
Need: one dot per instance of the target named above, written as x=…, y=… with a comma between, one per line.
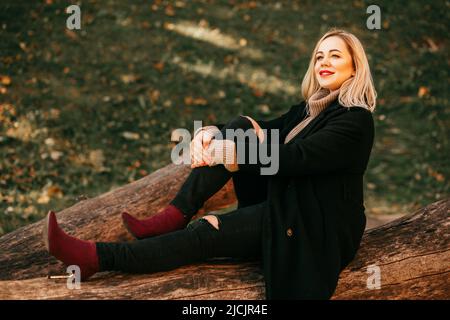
x=23, y=254
x=412, y=254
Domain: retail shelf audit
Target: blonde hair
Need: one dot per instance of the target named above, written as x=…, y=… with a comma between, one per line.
x=358, y=90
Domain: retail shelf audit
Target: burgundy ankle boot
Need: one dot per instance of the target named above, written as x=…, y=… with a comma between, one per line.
x=68, y=249
x=168, y=220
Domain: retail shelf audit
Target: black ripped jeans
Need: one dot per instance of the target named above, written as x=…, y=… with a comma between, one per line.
x=239, y=234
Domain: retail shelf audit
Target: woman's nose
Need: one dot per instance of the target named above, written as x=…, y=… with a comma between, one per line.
x=325, y=62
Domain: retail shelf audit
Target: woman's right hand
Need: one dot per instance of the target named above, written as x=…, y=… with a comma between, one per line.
x=199, y=145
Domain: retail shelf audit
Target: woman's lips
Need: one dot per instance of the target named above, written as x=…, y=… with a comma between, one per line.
x=326, y=74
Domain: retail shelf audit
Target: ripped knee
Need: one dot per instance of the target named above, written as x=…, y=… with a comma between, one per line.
x=213, y=220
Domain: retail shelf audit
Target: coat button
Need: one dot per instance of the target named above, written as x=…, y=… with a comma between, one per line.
x=289, y=232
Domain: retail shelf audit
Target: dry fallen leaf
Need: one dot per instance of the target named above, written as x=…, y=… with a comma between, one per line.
x=128, y=78
x=43, y=199
x=54, y=192
x=438, y=176
x=5, y=80
x=248, y=5
x=258, y=93
x=432, y=45
x=169, y=11
x=71, y=34
x=264, y=109
x=153, y=95
x=55, y=155
x=29, y=211
x=130, y=135
x=195, y=101
x=23, y=46
x=422, y=91
x=159, y=66
x=371, y=186
x=49, y=192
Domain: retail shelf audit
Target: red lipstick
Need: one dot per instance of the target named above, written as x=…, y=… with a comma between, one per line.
x=325, y=73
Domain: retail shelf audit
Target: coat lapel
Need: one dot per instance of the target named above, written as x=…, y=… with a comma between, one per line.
x=313, y=124
x=299, y=116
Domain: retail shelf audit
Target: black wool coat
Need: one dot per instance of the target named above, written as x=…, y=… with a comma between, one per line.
x=314, y=219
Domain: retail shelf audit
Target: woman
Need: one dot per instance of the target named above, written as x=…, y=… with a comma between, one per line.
x=304, y=223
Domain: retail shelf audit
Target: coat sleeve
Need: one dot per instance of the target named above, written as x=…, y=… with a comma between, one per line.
x=343, y=143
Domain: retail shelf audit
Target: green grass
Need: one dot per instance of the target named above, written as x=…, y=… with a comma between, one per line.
x=128, y=70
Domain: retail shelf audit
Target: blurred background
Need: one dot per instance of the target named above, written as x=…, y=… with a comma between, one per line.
x=85, y=111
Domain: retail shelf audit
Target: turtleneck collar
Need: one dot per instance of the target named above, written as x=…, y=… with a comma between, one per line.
x=320, y=100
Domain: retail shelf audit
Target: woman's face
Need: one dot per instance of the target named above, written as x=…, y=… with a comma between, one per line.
x=333, y=63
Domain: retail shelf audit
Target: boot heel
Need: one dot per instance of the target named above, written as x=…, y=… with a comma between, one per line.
x=45, y=230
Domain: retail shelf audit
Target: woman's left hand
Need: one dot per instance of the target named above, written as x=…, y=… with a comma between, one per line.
x=200, y=156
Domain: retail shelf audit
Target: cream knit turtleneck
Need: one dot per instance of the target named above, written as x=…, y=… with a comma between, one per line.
x=318, y=102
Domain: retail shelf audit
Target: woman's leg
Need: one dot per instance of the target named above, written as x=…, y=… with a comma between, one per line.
x=238, y=236
x=201, y=184
x=250, y=189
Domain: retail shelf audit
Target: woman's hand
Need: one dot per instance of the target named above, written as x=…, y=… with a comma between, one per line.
x=223, y=152
x=199, y=146
x=257, y=128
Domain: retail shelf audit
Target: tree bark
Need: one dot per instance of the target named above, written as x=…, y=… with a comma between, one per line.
x=412, y=254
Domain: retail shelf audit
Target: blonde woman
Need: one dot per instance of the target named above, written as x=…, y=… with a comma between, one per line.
x=304, y=223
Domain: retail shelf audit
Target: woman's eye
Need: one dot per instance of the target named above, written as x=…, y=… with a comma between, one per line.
x=334, y=55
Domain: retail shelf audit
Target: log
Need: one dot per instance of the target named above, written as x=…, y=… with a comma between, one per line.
x=411, y=253
x=23, y=254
